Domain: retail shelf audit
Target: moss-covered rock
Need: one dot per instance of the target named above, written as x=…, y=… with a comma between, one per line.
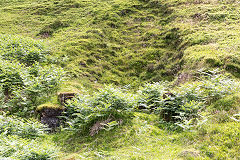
x=50, y=106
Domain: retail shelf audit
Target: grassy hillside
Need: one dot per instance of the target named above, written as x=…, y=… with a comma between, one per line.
x=133, y=41
x=126, y=43
x=143, y=139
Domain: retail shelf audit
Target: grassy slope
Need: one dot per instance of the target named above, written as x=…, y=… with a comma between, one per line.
x=143, y=139
x=138, y=139
x=134, y=41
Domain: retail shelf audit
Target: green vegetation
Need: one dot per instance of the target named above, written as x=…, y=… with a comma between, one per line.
x=184, y=122
x=19, y=127
x=48, y=105
x=24, y=139
x=155, y=79
x=109, y=103
x=143, y=139
x=130, y=42
x=25, y=81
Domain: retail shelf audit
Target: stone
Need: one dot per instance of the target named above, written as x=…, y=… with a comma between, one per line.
x=63, y=97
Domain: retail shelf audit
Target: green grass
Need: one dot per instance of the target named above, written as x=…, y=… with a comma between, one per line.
x=107, y=41
x=132, y=42
x=140, y=138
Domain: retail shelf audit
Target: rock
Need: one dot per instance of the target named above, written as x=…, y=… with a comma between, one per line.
x=63, y=97
x=52, y=112
x=49, y=115
x=51, y=122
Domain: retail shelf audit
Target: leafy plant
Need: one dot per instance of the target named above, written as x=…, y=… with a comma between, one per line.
x=150, y=94
x=12, y=76
x=24, y=81
x=14, y=147
x=24, y=139
x=24, y=88
x=109, y=102
x=25, y=50
x=209, y=88
x=21, y=127
x=182, y=105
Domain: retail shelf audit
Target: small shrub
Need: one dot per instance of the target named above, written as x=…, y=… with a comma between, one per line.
x=24, y=88
x=211, y=88
x=12, y=77
x=24, y=82
x=22, y=128
x=150, y=94
x=25, y=50
x=179, y=110
x=14, y=147
x=169, y=108
x=109, y=102
x=184, y=104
